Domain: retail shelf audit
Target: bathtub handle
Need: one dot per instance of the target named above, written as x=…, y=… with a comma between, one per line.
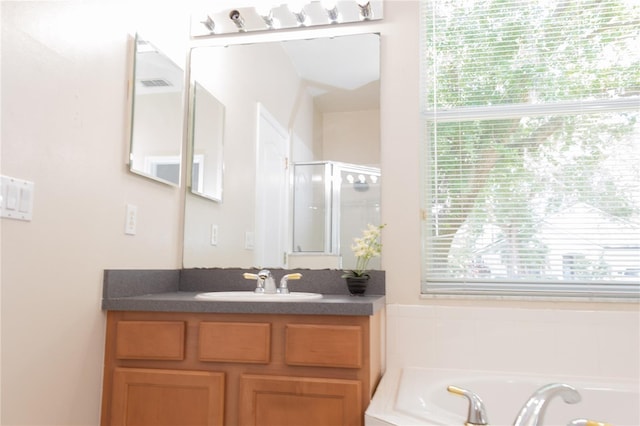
x=586, y=422
x=477, y=414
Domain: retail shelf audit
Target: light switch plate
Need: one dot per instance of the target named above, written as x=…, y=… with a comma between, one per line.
x=16, y=198
x=214, y=235
x=248, y=240
x=131, y=220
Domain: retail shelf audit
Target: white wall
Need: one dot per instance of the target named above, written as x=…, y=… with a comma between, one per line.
x=63, y=127
x=64, y=94
x=352, y=137
x=522, y=339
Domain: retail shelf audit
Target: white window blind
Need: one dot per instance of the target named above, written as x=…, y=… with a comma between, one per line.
x=532, y=146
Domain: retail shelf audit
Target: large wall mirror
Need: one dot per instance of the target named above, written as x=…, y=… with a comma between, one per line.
x=157, y=106
x=301, y=131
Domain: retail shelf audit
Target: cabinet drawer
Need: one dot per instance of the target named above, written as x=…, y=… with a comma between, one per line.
x=159, y=340
x=324, y=345
x=235, y=342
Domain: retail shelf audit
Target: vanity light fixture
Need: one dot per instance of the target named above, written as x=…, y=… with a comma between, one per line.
x=331, y=7
x=237, y=19
x=365, y=9
x=266, y=16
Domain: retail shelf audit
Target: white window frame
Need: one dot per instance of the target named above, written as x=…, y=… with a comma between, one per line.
x=503, y=288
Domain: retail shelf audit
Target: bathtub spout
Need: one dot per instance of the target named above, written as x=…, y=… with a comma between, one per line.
x=532, y=413
x=477, y=415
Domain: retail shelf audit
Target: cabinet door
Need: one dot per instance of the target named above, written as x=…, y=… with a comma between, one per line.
x=295, y=401
x=148, y=397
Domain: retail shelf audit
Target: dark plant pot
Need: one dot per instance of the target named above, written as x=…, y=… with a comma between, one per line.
x=357, y=285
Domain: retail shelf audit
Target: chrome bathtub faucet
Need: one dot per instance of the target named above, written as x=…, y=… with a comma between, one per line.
x=477, y=415
x=532, y=413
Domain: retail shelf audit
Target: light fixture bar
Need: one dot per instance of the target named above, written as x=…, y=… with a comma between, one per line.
x=291, y=14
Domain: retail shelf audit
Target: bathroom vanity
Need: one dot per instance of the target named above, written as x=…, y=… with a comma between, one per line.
x=171, y=358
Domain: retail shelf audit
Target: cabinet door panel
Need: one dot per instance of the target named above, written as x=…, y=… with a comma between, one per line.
x=295, y=401
x=148, y=397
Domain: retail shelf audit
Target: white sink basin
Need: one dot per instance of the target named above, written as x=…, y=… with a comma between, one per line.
x=250, y=296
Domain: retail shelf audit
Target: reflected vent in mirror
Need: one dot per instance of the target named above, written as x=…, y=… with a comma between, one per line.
x=157, y=82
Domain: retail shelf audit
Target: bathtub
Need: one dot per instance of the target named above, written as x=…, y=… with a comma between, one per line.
x=418, y=396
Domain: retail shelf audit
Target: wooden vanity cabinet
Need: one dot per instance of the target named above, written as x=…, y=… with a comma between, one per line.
x=239, y=369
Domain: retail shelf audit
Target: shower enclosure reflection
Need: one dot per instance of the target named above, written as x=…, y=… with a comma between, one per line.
x=332, y=203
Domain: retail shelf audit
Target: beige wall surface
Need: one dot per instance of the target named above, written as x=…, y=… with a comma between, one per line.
x=64, y=74
x=64, y=94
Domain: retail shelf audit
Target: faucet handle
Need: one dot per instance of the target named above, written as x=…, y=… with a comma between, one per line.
x=586, y=422
x=294, y=276
x=261, y=277
x=283, y=289
x=477, y=414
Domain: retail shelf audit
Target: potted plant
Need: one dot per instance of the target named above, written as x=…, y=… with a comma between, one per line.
x=365, y=248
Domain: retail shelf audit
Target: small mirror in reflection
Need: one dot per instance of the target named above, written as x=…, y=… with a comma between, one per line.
x=207, y=142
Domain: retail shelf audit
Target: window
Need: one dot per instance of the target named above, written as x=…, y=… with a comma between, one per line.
x=531, y=159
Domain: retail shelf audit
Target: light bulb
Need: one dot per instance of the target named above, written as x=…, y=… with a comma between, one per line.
x=209, y=24
x=332, y=9
x=365, y=9
x=296, y=6
x=266, y=13
x=263, y=10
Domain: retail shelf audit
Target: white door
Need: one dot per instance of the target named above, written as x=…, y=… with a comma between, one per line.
x=271, y=192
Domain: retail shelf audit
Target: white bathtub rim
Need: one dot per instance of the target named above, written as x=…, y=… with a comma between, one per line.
x=385, y=406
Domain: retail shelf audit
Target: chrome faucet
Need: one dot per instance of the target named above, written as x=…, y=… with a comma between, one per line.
x=264, y=281
x=266, y=284
x=477, y=414
x=532, y=413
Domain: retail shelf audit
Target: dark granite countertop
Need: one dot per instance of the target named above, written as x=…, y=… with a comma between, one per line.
x=176, y=290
